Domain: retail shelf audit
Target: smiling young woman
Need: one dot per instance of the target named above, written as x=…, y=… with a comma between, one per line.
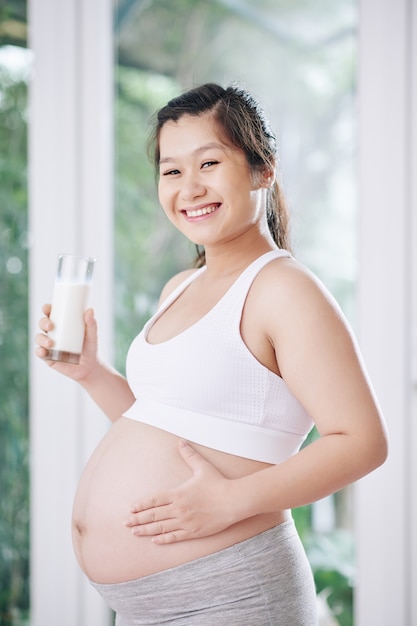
x=205, y=185
x=182, y=514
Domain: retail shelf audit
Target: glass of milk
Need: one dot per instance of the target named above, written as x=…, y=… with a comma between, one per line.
x=72, y=285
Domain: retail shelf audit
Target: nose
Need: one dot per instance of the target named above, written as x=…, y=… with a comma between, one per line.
x=191, y=187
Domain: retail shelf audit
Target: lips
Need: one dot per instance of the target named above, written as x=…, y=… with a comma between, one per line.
x=201, y=211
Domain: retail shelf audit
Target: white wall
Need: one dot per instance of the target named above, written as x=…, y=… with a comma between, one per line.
x=412, y=440
x=70, y=190
x=386, y=501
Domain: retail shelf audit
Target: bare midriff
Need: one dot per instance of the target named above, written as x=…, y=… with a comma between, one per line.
x=132, y=462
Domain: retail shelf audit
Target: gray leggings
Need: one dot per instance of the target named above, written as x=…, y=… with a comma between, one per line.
x=262, y=581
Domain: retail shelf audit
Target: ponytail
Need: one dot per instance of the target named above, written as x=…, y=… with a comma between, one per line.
x=278, y=217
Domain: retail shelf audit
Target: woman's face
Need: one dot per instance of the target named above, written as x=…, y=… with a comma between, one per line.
x=205, y=185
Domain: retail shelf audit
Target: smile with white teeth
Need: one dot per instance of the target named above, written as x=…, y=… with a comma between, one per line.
x=204, y=211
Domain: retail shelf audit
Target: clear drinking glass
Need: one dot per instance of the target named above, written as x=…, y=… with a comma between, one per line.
x=72, y=285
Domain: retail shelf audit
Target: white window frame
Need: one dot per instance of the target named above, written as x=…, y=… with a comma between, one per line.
x=386, y=501
x=71, y=202
x=71, y=198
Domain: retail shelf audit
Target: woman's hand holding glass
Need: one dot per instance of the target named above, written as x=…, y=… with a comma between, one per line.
x=88, y=360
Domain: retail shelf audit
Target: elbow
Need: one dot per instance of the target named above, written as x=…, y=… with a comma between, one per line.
x=370, y=451
x=378, y=454
x=384, y=445
x=383, y=452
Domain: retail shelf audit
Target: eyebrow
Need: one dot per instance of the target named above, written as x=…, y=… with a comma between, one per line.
x=200, y=149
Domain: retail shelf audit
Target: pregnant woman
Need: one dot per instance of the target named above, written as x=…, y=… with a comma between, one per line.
x=183, y=512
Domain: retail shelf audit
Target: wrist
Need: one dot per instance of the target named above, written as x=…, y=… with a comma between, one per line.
x=255, y=495
x=92, y=376
x=242, y=499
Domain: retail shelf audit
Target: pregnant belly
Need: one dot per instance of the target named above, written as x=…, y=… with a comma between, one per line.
x=134, y=461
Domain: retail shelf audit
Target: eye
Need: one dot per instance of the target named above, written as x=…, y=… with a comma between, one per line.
x=207, y=164
x=171, y=172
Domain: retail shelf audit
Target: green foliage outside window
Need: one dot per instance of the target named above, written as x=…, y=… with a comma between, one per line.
x=14, y=440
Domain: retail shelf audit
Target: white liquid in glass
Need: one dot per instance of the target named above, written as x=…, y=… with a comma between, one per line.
x=68, y=306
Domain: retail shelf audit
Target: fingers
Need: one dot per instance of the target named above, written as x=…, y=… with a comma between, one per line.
x=197, y=464
x=190, y=456
x=90, y=325
x=90, y=337
x=151, y=518
x=44, y=344
x=161, y=531
x=89, y=318
x=155, y=528
x=45, y=323
x=151, y=503
x=42, y=340
x=173, y=537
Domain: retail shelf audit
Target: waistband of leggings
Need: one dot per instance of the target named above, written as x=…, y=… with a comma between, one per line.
x=249, y=547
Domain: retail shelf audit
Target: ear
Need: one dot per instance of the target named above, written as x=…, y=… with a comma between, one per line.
x=268, y=178
x=265, y=178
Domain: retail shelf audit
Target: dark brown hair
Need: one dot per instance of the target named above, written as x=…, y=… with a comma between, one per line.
x=243, y=123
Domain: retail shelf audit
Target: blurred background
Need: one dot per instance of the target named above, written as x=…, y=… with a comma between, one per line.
x=300, y=58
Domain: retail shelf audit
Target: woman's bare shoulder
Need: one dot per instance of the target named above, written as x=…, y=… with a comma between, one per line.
x=286, y=277
x=286, y=295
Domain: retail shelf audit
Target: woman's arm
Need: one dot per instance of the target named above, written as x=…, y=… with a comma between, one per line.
x=320, y=362
x=109, y=390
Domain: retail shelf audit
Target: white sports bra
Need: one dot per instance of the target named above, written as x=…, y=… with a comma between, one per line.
x=204, y=384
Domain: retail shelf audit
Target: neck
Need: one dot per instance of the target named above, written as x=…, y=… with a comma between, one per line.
x=233, y=257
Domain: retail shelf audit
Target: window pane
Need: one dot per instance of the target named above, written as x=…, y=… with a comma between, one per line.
x=299, y=58
x=14, y=461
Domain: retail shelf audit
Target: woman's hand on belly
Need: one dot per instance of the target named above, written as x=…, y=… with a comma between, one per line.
x=200, y=507
x=135, y=461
